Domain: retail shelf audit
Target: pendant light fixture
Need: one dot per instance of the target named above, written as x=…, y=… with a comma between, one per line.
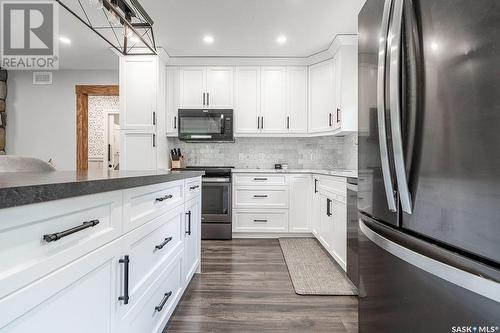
x=124, y=24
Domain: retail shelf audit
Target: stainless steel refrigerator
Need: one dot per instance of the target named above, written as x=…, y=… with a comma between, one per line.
x=429, y=166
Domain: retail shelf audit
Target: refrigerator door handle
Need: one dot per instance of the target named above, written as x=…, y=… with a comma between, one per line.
x=434, y=260
x=395, y=105
x=382, y=133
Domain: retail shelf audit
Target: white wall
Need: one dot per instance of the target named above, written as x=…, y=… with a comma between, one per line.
x=42, y=119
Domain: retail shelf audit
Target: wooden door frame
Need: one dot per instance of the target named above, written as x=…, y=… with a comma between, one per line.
x=82, y=118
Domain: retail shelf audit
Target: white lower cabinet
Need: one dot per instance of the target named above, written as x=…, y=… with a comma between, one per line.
x=132, y=283
x=262, y=220
x=300, y=204
x=315, y=209
x=76, y=298
x=332, y=229
x=192, y=239
x=287, y=204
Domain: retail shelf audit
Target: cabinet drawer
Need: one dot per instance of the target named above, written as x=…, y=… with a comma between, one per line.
x=272, y=220
x=332, y=186
x=78, y=298
x=153, y=308
x=151, y=246
x=259, y=179
x=192, y=188
x=142, y=204
x=257, y=197
x=37, y=239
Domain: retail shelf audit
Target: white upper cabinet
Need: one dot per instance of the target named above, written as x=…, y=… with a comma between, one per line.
x=296, y=121
x=206, y=87
x=138, y=92
x=273, y=99
x=333, y=93
x=346, y=85
x=172, y=99
x=192, y=88
x=321, y=96
x=247, y=100
x=219, y=87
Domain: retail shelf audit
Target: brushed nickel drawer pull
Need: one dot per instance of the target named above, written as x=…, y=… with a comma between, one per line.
x=260, y=178
x=260, y=220
x=260, y=196
x=194, y=187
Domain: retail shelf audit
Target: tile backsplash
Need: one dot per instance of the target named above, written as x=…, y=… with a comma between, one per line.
x=327, y=152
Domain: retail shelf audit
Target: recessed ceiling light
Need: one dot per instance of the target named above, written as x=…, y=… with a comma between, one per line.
x=64, y=40
x=281, y=39
x=208, y=39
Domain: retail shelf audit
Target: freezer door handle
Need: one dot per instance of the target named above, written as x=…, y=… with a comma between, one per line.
x=395, y=105
x=442, y=263
x=382, y=134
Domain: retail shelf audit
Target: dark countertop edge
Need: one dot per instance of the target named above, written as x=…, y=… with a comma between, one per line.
x=31, y=194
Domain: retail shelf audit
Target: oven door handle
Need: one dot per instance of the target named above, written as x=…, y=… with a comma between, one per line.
x=216, y=180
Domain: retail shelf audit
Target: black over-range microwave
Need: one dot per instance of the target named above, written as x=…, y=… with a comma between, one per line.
x=202, y=125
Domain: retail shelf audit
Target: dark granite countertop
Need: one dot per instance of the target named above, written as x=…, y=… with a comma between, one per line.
x=23, y=188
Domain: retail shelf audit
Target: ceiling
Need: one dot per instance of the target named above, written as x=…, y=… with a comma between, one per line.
x=251, y=27
x=87, y=50
x=239, y=28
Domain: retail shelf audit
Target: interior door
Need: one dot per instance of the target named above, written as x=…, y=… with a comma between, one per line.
x=374, y=200
x=192, y=87
x=455, y=172
x=247, y=100
x=220, y=87
x=273, y=99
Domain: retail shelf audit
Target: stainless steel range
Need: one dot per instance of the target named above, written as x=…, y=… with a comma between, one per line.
x=216, y=220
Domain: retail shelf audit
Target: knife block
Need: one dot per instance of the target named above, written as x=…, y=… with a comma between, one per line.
x=180, y=164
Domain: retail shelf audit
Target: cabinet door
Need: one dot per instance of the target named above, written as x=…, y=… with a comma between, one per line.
x=321, y=96
x=315, y=212
x=297, y=100
x=172, y=102
x=300, y=203
x=138, y=89
x=220, y=87
x=192, y=239
x=192, y=87
x=339, y=242
x=138, y=151
x=273, y=99
x=337, y=72
x=76, y=298
x=247, y=100
x=326, y=220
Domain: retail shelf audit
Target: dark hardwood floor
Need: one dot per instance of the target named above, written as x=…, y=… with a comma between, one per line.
x=245, y=287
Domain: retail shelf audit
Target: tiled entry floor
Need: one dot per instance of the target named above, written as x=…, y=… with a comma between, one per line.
x=245, y=287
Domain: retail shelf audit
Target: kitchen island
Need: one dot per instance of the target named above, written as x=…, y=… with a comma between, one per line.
x=96, y=252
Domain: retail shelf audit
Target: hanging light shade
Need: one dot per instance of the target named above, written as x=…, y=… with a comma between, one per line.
x=124, y=24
